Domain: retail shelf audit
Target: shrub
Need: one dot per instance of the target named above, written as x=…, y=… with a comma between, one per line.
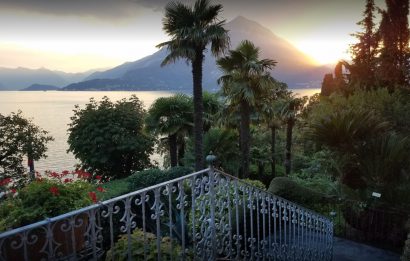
x=146, y=178
x=44, y=199
x=114, y=188
x=169, y=249
x=292, y=191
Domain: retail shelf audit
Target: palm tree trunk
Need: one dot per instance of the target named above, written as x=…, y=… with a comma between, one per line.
x=245, y=137
x=198, y=108
x=181, y=153
x=288, y=162
x=172, y=140
x=273, y=151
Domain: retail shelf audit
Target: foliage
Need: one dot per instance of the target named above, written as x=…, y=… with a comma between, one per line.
x=287, y=188
x=368, y=141
x=255, y=183
x=222, y=143
x=19, y=137
x=114, y=188
x=192, y=29
x=395, y=52
x=245, y=79
x=44, y=199
x=150, y=177
x=364, y=53
x=144, y=247
x=108, y=137
x=173, y=117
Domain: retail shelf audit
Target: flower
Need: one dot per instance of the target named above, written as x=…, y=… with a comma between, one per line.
x=65, y=172
x=5, y=181
x=54, y=191
x=98, y=177
x=68, y=180
x=93, y=196
x=13, y=190
x=100, y=189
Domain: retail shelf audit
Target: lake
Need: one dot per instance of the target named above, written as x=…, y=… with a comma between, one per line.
x=52, y=110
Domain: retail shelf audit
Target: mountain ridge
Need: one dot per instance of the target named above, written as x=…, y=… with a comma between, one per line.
x=294, y=67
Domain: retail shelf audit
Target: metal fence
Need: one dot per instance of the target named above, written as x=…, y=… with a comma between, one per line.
x=206, y=215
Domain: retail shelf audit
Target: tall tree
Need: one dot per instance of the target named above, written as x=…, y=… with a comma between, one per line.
x=245, y=79
x=395, y=51
x=269, y=112
x=364, y=53
x=171, y=116
x=291, y=107
x=192, y=29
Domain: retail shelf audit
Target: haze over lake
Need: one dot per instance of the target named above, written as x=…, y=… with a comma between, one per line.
x=52, y=110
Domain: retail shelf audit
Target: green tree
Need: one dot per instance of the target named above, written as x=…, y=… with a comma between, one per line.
x=108, y=137
x=192, y=29
x=269, y=114
x=245, y=79
x=364, y=53
x=19, y=138
x=172, y=116
x=395, y=34
x=291, y=107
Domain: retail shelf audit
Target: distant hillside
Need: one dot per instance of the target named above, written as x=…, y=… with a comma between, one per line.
x=41, y=87
x=294, y=67
x=20, y=78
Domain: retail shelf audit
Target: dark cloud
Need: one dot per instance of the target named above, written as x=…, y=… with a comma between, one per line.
x=100, y=9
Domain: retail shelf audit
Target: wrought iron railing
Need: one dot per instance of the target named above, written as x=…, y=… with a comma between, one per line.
x=206, y=215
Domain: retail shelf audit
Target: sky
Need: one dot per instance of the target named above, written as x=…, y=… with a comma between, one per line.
x=78, y=35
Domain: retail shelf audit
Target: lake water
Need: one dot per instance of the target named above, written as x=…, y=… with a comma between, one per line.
x=52, y=110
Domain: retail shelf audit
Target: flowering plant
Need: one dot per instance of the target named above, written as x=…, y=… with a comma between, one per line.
x=48, y=196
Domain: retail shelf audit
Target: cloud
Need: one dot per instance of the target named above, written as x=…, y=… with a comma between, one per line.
x=99, y=9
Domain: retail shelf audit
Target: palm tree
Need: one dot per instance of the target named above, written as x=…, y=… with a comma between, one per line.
x=290, y=109
x=171, y=116
x=245, y=80
x=192, y=29
x=269, y=115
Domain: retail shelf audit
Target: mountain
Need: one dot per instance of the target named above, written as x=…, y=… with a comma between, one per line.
x=294, y=67
x=41, y=87
x=20, y=78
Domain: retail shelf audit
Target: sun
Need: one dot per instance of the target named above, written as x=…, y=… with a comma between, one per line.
x=324, y=51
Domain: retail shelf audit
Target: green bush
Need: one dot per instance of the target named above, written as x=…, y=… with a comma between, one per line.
x=43, y=199
x=150, y=177
x=120, y=249
x=114, y=188
x=286, y=188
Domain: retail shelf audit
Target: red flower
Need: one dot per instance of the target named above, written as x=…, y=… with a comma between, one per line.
x=93, y=196
x=13, y=191
x=54, y=175
x=54, y=191
x=100, y=189
x=68, y=180
x=5, y=181
x=98, y=177
x=66, y=172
